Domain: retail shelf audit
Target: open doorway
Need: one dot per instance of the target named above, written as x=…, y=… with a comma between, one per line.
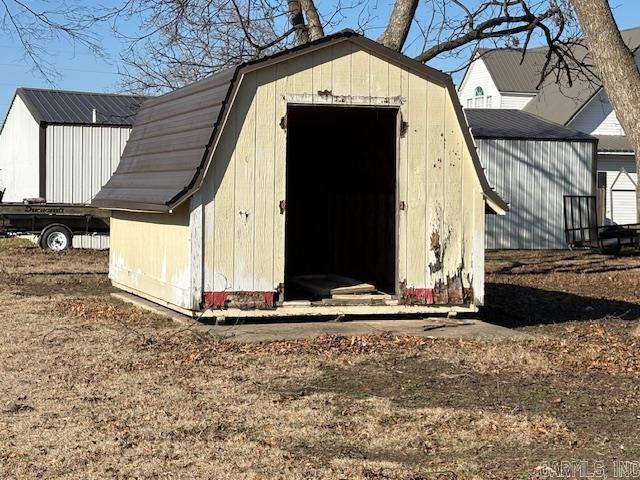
x=341, y=198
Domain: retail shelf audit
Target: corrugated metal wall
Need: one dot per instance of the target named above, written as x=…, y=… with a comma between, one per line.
x=533, y=176
x=79, y=160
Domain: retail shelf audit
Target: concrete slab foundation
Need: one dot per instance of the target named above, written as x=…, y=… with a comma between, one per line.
x=237, y=330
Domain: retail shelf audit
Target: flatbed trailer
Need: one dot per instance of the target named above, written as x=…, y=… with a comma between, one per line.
x=55, y=224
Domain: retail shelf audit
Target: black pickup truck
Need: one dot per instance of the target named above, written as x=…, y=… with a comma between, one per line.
x=55, y=224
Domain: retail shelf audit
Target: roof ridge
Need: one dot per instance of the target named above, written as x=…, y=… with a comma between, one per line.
x=78, y=92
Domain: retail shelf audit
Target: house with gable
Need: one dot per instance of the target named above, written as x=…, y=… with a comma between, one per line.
x=503, y=79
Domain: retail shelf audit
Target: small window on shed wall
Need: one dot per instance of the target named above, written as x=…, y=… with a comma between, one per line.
x=602, y=180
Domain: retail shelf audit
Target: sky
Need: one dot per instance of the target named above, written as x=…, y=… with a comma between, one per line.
x=80, y=70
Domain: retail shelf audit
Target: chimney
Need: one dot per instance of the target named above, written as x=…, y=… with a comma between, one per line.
x=94, y=116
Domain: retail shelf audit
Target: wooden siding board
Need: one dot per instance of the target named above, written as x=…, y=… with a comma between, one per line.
x=244, y=203
x=380, y=72
x=322, y=73
x=280, y=158
x=435, y=230
x=452, y=239
x=360, y=73
x=265, y=205
x=341, y=70
x=398, y=82
x=416, y=212
x=224, y=172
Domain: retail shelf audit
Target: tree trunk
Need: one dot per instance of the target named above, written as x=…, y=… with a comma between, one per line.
x=314, y=25
x=297, y=20
x=616, y=67
x=399, y=24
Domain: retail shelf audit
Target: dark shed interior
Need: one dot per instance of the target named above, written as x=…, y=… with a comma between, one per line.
x=341, y=195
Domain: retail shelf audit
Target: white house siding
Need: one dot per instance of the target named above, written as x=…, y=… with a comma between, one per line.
x=597, y=117
x=621, y=204
x=533, y=176
x=479, y=76
x=79, y=160
x=19, y=154
x=514, y=101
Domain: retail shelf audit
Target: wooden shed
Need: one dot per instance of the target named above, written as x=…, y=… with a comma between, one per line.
x=338, y=177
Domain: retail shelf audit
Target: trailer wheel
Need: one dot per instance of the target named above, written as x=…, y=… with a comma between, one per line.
x=56, y=239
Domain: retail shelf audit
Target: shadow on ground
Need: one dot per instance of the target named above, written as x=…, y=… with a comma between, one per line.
x=512, y=305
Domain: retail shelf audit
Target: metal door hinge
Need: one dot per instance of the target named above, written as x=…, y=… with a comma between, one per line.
x=283, y=206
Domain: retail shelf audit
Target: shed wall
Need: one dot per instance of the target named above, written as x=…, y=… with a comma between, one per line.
x=532, y=176
x=243, y=240
x=79, y=161
x=150, y=254
x=19, y=154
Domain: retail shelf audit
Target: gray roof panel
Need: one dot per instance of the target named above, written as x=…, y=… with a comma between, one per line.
x=512, y=73
x=76, y=108
x=516, y=124
x=614, y=144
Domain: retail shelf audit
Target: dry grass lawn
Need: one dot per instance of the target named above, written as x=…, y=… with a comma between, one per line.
x=92, y=388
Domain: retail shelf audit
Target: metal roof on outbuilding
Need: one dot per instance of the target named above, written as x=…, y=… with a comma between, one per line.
x=174, y=135
x=76, y=108
x=516, y=124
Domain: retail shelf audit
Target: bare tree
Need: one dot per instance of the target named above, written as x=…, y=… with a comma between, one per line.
x=616, y=66
x=183, y=41
x=180, y=41
x=36, y=29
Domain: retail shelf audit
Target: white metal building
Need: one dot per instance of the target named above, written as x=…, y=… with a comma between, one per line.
x=503, y=78
x=532, y=163
x=63, y=146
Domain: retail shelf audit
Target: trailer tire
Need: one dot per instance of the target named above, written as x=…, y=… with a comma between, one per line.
x=56, y=238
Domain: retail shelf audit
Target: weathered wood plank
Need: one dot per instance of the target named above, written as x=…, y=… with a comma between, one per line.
x=379, y=77
x=322, y=75
x=416, y=205
x=244, y=205
x=195, y=249
x=224, y=171
x=265, y=205
x=398, y=83
x=360, y=72
x=279, y=173
x=452, y=241
x=435, y=183
x=341, y=70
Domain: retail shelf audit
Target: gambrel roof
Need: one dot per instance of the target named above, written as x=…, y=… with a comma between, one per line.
x=174, y=135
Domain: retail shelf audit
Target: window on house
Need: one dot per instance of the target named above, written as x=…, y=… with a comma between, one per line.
x=479, y=100
x=487, y=102
x=469, y=102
